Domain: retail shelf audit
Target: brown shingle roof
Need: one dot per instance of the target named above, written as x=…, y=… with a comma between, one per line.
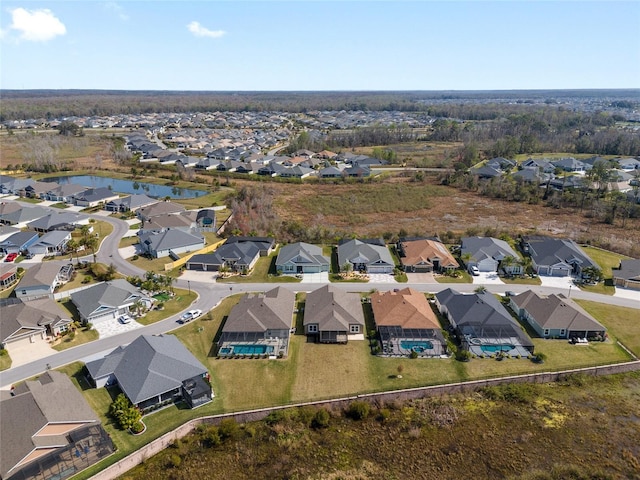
x=425, y=251
x=406, y=308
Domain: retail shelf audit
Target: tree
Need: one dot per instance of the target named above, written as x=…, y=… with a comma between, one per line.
x=124, y=412
x=69, y=128
x=73, y=247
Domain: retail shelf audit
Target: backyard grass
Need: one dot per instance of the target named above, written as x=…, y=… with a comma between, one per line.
x=621, y=322
x=177, y=303
x=153, y=264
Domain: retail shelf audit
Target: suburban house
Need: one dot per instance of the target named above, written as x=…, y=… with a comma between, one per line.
x=539, y=165
x=49, y=431
x=206, y=219
x=152, y=370
x=179, y=221
x=425, y=255
x=488, y=255
x=260, y=324
x=627, y=275
x=556, y=257
x=237, y=257
x=6, y=231
x=41, y=279
x=21, y=216
x=482, y=325
x=370, y=256
x=406, y=324
x=131, y=203
x=301, y=257
x=332, y=315
x=170, y=242
x=25, y=323
x=37, y=189
x=65, y=193
x=93, y=197
x=19, y=242
x=569, y=164
x=159, y=208
x=51, y=243
x=106, y=300
x=58, y=221
x=556, y=316
x=8, y=275
x=265, y=244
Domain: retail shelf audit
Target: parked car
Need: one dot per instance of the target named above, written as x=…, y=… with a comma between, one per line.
x=190, y=315
x=124, y=319
x=11, y=257
x=475, y=271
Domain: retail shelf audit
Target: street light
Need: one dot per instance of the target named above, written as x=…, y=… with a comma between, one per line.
x=189, y=285
x=570, y=290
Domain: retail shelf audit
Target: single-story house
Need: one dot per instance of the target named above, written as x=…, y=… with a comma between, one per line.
x=265, y=244
x=65, y=193
x=237, y=257
x=170, y=242
x=159, y=208
x=425, y=255
x=95, y=196
x=301, y=257
x=22, y=216
x=25, y=323
x=369, y=255
x=41, y=279
x=569, y=164
x=488, y=255
x=37, y=189
x=539, y=165
x=482, y=325
x=8, y=275
x=106, y=300
x=260, y=324
x=131, y=203
x=152, y=370
x=556, y=257
x=332, y=315
x=48, y=430
x=160, y=223
x=19, y=242
x=51, y=243
x=556, y=316
x=6, y=231
x=58, y=221
x=627, y=275
x=406, y=323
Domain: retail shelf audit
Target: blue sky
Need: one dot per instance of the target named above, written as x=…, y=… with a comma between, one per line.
x=325, y=45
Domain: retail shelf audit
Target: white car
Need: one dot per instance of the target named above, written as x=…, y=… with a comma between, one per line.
x=474, y=271
x=190, y=315
x=124, y=319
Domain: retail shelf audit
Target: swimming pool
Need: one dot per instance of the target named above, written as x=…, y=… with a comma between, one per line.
x=247, y=349
x=417, y=346
x=497, y=348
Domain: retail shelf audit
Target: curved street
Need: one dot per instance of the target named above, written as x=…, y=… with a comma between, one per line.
x=211, y=294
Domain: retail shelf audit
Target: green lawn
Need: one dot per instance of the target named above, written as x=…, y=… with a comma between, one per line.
x=5, y=361
x=127, y=241
x=622, y=323
x=60, y=205
x=522, y=281
x=81, y=336
x=264, y=271
x=177, y=303
x=607, y=261
x=464, y=277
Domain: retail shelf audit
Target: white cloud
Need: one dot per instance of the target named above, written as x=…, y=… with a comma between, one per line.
x=36, y=25
x=200, y=31
x=117, y=9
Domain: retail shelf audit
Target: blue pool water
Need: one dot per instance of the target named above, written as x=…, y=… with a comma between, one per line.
x=225, y=351
x=418, y=346
x=496, y=348
x=252, y=349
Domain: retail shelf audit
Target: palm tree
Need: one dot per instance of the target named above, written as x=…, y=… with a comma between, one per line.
x=507, y=262
x=73, y=247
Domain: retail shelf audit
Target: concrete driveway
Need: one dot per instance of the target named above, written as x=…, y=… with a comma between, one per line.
x=110, y=327
x=627, y=293
x=381, y=278
x=322, y=277
x=557, y=282
x=23, y=352
x=195, y=276
x=487, y=278
x=130, y=251
x=421, y=278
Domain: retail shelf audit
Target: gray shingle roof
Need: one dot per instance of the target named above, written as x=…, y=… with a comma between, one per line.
x=629, y=270
x=112, y=294
x=356, y=251
x=54, y=220
x=301, y=254
x=32, y=315
x=487, y=247
x=170, y=239
x=149, y=366
x=333, y=309
x=272, y=310
x=550, y=251
x=241, y=253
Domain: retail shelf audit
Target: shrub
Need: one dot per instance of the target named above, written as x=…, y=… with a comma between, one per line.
x=229, y=429
x=384, y=414
x=463, y=355
x=413, y=354
x=539, y=357
x=211, y=436
x=321, y=418
x=358, y=410
x=175, y=460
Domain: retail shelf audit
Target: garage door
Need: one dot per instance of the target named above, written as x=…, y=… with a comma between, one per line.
x=198, y=267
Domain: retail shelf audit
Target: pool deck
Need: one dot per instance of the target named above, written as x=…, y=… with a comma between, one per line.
x=476, y=344
x=393, y=348
x=280, y=347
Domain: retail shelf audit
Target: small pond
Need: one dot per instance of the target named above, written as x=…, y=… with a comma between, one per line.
x=128, y=186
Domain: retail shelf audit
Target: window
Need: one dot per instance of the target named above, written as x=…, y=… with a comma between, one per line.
x=355, y=329
x=312, y=328
x=562, y=332
x=546, y=332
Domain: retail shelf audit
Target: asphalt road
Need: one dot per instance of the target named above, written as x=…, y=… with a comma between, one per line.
x=210, y=294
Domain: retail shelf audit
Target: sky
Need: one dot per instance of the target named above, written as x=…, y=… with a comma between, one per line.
x=319, y=45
